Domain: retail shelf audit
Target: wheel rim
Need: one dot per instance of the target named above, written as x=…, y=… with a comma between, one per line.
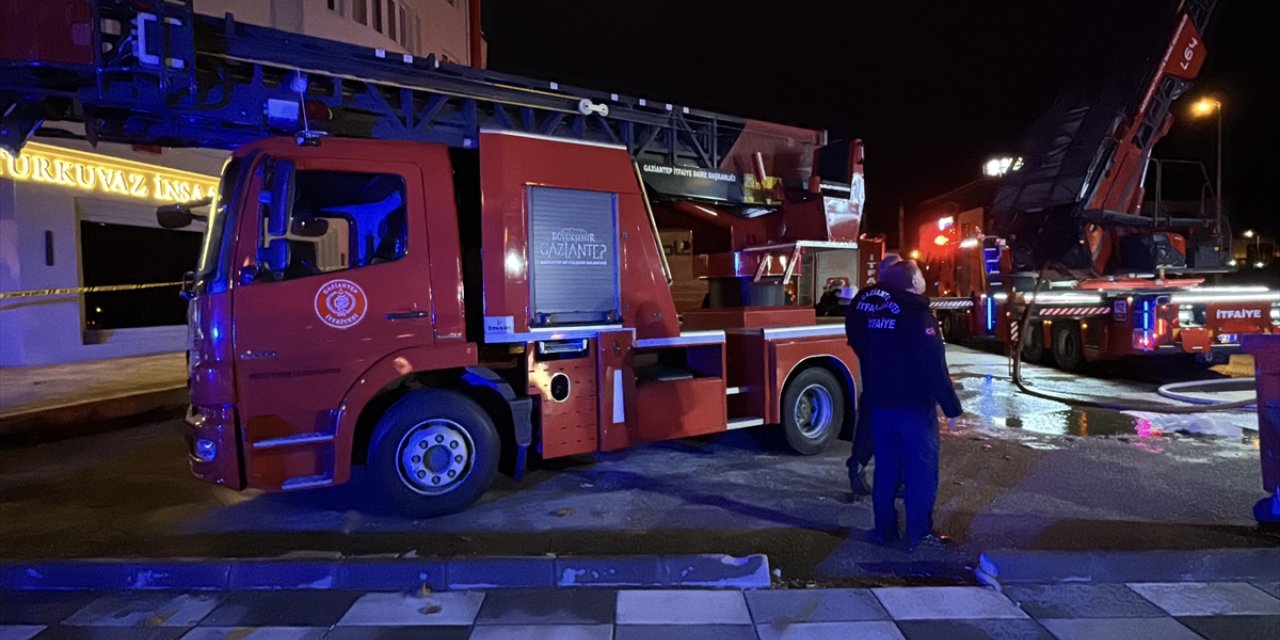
x=813, y=410
x=435, y=456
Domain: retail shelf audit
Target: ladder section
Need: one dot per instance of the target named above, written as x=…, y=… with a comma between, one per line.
x=163, y=75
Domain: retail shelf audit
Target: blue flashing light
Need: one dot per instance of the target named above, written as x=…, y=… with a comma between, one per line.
x=991, y=314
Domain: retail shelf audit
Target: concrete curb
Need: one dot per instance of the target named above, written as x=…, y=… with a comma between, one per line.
x=691, y=571
x=998, y=568
x=53, y=423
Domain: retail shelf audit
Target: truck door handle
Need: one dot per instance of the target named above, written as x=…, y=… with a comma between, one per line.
x=406, y=315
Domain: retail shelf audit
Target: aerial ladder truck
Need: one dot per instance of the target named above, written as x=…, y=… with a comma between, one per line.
x=437, y=271
x=1065, y=245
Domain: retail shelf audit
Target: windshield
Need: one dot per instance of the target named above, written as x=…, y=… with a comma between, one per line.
x=213, y=251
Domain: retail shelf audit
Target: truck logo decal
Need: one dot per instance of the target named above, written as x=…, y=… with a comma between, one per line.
x=499, y=325
x=1239, y=314
x=341, y=304
x=573, y=246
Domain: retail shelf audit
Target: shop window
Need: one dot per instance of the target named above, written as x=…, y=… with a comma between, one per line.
x=339, y=220
x=119, y=254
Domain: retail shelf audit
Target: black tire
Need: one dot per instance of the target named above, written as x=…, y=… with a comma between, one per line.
x=951, y=328
x=1068, y=346
x=440, y=424
x=1033, y=343
x=813, y=409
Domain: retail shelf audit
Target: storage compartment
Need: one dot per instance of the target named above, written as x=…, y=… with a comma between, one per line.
x=680, y=363
x=573, y=245
x=679, y=408
x=567, y=393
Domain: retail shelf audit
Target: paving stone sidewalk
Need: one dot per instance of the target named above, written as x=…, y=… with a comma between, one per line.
x=64, y=395
x=1167, y=611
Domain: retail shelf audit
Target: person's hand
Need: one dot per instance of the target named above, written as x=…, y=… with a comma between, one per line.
x=951, y=424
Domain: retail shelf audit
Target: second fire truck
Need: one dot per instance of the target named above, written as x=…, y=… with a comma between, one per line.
x=1065, y=236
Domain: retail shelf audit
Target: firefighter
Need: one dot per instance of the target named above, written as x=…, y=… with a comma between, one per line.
x=860, y=455
x=905, y=379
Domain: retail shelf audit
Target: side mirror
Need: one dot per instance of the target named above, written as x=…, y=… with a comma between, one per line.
x=312, y=228
x=177, y=216
x=278, y=198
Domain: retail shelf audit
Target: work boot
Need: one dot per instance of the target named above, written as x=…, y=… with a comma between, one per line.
x=858, y=483
x=931, y=541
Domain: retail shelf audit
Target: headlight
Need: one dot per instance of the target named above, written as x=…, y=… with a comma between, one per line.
x=206, y=450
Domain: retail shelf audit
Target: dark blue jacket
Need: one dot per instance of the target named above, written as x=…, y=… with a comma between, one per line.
x=899, y=346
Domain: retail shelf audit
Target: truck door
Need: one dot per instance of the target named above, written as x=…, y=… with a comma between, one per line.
x=332, y=275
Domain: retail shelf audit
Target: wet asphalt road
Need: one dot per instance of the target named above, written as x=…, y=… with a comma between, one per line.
x=1019, y=472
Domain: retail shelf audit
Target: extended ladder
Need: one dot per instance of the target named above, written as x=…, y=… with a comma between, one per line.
x=161, y=74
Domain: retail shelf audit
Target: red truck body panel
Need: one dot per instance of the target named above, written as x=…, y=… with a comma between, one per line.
x=510, y=164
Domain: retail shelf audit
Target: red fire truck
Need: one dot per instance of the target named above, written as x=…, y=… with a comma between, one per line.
x=1074, y=322
x=1065, y=235
x=467, y=271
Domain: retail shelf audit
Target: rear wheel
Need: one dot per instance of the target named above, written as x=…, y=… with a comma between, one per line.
x=1033, y=343
x=955, y=327
x=813, y=407
x=1068, y=346
x=433, y=452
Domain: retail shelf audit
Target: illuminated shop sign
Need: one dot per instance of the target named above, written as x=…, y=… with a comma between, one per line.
x=94, y=173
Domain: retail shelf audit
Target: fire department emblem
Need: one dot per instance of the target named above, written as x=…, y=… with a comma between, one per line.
x=341, y=304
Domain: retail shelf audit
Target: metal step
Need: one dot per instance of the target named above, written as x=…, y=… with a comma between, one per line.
x=743, y=423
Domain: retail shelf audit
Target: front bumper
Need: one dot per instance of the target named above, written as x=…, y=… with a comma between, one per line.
x=213, y=448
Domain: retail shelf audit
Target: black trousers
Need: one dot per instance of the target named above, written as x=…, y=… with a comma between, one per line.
x=862, y=450
x=906, y=448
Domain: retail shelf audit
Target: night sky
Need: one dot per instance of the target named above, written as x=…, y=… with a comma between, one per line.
x=932, y=88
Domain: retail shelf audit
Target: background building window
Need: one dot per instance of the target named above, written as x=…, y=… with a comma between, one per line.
x=377, y=15
x=404, y=29
x=360, y=11
x=410, y=43
x=417, y=31
x=392, y=29
x=112, y=254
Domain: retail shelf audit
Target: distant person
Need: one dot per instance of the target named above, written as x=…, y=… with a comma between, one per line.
x=905, y=379
x=830, y=304
x=860, y=456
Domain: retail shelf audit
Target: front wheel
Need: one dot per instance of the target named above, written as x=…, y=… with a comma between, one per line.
x=433, y=452
x=812, y=411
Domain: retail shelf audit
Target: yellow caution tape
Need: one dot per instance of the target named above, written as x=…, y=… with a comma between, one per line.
x=42, y=293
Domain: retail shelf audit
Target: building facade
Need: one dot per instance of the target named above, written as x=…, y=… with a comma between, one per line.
x=73, y=216
x=418, y=27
